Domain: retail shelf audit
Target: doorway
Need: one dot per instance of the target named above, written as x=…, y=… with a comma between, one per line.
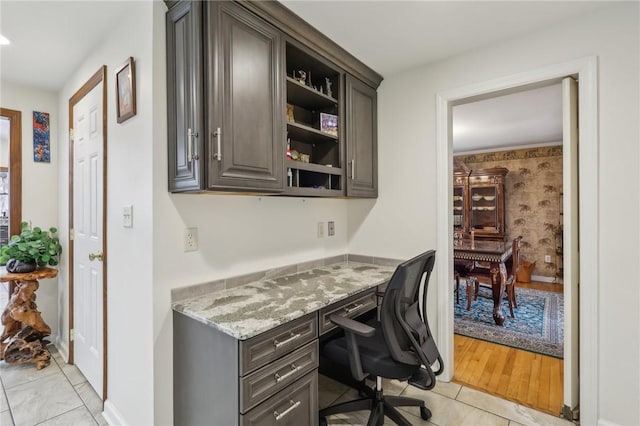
x=519, y=134
x=10, y=173
x=87, y=224
x=582, y=394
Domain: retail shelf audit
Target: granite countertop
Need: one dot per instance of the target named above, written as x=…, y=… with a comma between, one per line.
x=246, y=311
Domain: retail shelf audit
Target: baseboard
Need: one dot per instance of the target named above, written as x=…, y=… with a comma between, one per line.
x=602, y=422
x=112, y=415
x=62, y=348
x=544, y=279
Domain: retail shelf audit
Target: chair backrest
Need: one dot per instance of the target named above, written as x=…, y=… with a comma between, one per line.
x=515, y=255
x=403, y=313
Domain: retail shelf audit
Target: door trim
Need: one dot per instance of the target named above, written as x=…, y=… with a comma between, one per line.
x=15, y=169
x=586, y=71
x=100, y=76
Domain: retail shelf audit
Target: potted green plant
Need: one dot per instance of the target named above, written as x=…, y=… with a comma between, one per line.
x=33, y=248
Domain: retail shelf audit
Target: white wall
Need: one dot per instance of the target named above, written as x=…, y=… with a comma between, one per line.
x=129, y=250
x=39, y=180
x=406, y=213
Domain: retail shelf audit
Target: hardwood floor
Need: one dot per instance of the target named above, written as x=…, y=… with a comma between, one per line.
x=527, y=378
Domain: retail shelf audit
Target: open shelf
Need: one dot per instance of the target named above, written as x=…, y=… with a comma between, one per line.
x=309, y=81
x=318, y=168
x=299, y=131
x=307, y=97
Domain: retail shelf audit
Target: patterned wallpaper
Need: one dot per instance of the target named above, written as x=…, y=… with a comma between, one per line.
x=533, y=200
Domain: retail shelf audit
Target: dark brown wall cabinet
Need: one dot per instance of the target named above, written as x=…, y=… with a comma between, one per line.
x=246, y=119
x=184, y=96
x=362, y=139
x=478, y=203
x=255, y=106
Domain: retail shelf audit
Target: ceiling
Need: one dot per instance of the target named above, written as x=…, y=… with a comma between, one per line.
x=532, y=117
x=51, y=38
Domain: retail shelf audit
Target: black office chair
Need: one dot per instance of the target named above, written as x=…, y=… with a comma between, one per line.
x=396, y=347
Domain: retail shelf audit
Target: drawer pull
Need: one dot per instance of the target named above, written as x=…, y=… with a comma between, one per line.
x=285, y=342
x=293, y=371
x=293, y=406
x=353, y=308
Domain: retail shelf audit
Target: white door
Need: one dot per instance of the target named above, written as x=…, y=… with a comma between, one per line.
x=570, y=243
x=88, y=239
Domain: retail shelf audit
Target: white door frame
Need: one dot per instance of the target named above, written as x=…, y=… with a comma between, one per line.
x=98, y=77
x=587, y=74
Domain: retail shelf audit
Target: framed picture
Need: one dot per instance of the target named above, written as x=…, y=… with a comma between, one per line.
x=41, y=137
x=329, y=124
x=126, y=91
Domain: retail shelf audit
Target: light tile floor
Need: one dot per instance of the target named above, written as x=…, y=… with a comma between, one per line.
x=450, y=403
x=60, y=395
x=56, y=395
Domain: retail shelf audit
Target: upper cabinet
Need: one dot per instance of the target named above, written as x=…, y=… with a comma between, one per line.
x=245, y=100
x=486, y=202
x=478, y=203
x=185, y=96
x=261, y=102
x=362, y=139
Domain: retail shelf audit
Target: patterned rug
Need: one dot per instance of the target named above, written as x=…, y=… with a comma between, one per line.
x=538, y=325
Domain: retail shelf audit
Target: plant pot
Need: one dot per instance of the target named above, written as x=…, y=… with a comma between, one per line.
x=20, y=267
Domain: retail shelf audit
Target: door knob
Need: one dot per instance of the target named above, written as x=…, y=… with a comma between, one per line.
x=96, y=256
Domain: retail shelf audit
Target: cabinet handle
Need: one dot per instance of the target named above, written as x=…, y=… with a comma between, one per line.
x=293, y=406
x=218, y=135
x=294, y=370
x=353, y=169
x=284, y=342
x=190, y=135
x=353, y=309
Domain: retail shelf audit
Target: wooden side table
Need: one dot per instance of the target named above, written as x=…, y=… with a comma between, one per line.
x=24, y=328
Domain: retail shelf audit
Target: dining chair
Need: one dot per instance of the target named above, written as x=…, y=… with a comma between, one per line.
x=462, y=269
x=510, y=282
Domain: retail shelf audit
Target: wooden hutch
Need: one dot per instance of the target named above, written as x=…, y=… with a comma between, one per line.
x=478, y=202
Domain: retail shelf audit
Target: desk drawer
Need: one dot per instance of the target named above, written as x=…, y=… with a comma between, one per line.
x=265, y=347
x=295, y=406
x=261, y=384
x=351, y=307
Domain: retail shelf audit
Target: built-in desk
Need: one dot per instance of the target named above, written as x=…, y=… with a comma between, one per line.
x=249, y=355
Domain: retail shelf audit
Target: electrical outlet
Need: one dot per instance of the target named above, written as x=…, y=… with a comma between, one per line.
x=331, y=228
x=320, y=229
x=547, y=258
x=190, y=239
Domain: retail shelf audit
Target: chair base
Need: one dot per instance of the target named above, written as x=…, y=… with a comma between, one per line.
x=380, y=406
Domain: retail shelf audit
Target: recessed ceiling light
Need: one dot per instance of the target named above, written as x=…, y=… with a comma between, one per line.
x=4, y=40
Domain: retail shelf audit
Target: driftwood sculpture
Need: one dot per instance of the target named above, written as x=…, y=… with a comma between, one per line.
x=24, y=328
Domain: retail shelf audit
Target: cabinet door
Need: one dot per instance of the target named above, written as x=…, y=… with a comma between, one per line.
x=246, y=89
x=362, y=139
x=184, y=96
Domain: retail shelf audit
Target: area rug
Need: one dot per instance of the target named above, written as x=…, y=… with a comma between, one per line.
x=538, y=325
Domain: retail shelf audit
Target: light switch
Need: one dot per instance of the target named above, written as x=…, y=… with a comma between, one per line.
x=127, y=216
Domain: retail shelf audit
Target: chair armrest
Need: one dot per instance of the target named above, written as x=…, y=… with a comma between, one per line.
x=353, y=326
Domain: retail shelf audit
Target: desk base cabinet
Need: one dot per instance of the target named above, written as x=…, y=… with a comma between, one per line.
x=209, y=387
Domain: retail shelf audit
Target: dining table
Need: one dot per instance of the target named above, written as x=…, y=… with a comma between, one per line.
x=493, y=253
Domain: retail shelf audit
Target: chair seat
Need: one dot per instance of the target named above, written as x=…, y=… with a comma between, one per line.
x=374, y=354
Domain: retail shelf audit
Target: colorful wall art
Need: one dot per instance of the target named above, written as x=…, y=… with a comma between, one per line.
x=41, y=147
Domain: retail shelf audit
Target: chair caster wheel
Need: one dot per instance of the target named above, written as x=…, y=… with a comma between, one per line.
x=425, y=413
x=323, y=421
